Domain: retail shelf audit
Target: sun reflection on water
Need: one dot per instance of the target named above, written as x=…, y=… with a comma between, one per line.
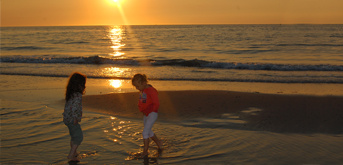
x=116, y=83
x=116, y=72
x=116, y=36
x=119, y=131
x=120, y=77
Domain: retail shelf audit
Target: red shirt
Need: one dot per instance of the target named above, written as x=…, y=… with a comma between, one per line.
x=148, y=101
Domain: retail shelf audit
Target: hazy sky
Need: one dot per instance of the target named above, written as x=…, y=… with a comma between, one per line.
x=152, y=12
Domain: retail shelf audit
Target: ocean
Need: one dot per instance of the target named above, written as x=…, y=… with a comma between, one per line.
x=36, y=62
x=228, y=53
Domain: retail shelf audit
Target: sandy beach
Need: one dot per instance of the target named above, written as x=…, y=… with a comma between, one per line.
x=243, y=123
x=270, y=112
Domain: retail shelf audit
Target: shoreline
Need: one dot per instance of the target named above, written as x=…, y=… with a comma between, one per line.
x=269, y=123
x=51, y=89
x=271, y=112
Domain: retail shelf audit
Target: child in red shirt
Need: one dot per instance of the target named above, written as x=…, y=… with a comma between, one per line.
x=148, y=104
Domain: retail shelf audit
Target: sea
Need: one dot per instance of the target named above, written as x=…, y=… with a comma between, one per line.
x=37, y=61
x=228, y=53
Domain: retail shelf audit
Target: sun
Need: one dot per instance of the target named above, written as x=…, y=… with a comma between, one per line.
x=117, y=1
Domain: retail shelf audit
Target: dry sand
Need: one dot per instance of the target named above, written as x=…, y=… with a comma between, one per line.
x=271, y=112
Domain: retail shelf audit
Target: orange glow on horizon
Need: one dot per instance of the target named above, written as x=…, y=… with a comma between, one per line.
x=159, y=12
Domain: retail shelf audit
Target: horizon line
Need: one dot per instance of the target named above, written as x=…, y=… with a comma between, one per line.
x=175, y=24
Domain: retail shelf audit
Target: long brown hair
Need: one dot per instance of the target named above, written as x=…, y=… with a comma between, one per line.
x=76, y=83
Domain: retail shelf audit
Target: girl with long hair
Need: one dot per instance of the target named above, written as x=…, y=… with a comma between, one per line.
x=73, y=111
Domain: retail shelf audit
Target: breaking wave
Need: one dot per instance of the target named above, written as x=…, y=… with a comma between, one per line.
x=98, y=60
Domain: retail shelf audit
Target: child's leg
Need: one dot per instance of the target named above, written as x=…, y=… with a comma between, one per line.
x=157, y=141
x=76, y=139
x=71, y=145
x=146, y=147
x=148, y=123
x=73, y=151
x=147, y=132
x=145, y=137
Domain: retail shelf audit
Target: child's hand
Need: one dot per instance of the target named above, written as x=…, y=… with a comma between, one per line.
x=75, y=121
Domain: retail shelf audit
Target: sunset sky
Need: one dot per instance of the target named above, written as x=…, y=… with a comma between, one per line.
x=155, y=12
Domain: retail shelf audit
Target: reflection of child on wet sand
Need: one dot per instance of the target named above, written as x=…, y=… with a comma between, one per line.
x=73, y=112
x=148, y=104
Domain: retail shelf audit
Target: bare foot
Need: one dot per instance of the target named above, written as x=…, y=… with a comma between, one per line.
x=74, y=158
x=159, y=152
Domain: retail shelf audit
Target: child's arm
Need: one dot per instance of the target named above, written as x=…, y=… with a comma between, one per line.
x=77, y=108
x=155, y=101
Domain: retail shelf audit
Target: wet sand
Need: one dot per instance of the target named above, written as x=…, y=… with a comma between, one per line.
x=259, y=123
x=270, y=112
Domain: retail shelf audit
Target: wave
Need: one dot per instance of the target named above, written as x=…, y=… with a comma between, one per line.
x=229, y=79
x=23, y=48
x=316, y=45
x=336, y=35
x=172, y=62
